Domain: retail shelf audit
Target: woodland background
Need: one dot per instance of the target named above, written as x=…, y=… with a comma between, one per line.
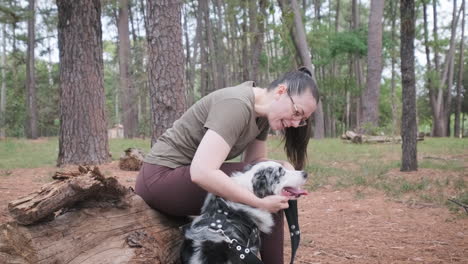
x=354, y=47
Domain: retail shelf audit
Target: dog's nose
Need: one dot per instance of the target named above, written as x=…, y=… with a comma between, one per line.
x=304, y=174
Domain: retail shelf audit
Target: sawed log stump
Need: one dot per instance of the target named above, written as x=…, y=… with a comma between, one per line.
x=84, y=217
x=131, y=159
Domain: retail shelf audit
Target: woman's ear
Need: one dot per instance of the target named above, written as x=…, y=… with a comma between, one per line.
x=279, y=91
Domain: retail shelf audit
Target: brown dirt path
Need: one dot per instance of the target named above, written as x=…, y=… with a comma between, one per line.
x=337, y=226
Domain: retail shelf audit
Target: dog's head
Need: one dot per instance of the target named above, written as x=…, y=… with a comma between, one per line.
x=269, y=178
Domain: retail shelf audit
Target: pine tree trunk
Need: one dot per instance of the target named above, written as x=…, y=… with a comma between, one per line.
x=83, y=123
x=457, y=132
x=394, y=7
x=303, y=50
x=409, y=126
x=165, y=64
x=31, y=104
x=3, y=100
x=371, y=94
x=220, y=49
x=128, y=90
x=211, y=49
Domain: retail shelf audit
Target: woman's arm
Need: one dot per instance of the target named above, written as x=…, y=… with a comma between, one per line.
x=205, y=172
x=256, y=151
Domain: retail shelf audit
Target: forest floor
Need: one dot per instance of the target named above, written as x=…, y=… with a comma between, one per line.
x=349, y=225
x=360, y=207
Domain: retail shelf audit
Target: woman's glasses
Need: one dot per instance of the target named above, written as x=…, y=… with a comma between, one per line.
x=303, y=121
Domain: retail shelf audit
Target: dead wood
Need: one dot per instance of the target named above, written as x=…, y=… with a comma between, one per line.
x=360, y=138
x=135, y=234
x=131, y=159
x=63, y=193
x=88, y=218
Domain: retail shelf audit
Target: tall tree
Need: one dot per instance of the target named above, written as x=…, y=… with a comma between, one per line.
x=127, y=88
x=371, y=94
x=31, y=104
x=165, y=64
x=394, y=14
x=299, y=38
x=83, y=124
x=458, y=107
x=409, y=126
x=3, y=100
x=442, y=95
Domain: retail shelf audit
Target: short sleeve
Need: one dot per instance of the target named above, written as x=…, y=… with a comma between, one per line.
x=228, y=118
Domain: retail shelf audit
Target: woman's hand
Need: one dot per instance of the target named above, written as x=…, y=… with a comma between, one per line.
x=274, y=203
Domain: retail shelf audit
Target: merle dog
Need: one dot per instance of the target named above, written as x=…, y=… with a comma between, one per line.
x=229, y=232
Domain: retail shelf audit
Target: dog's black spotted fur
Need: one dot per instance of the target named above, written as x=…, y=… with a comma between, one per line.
x=240, y=222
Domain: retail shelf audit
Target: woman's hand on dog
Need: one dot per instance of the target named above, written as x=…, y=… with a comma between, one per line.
x=274, y=203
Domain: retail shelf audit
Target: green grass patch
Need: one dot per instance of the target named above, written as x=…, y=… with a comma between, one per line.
x=23, y=153
x=331, y=162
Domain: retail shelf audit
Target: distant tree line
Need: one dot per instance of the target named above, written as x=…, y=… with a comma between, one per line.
x=353, y=47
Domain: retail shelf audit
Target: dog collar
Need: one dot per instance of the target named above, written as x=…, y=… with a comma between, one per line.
x=293, y=223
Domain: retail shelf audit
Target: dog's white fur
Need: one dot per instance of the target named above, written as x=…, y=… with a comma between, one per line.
x=264, y=178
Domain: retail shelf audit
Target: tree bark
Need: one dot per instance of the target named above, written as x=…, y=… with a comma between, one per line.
x=83, y=123
x=165, y=64
x=457, y=131
x=299, y=37
x=393, y=99
x=371, y=94
x=3, y=100
x=443, y=96
x=127, y=89
x=409, y=126
x=31, y=104
x=257, y=29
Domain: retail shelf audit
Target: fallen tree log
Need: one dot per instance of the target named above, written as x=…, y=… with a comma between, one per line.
x=360, y=138
x=111, y=226
x=131, y=159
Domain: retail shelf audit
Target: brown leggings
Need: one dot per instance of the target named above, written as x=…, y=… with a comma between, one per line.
x=172, y=191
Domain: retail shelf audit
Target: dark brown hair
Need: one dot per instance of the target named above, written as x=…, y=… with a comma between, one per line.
x=296, y=139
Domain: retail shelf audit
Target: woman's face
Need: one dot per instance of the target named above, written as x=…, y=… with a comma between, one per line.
x=286, y=111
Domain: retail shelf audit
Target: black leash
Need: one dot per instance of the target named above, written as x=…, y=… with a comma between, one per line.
x=293, y=223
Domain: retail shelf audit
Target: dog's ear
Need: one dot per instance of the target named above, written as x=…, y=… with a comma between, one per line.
x=260, y=184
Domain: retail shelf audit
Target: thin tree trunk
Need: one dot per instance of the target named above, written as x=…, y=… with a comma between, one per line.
x=212, y=56
x=393, y=99
x=31, y=104
x=371, y=94
x=189, y=74
x=429, y=70
x=246, y=63
x=409, y=126
x=219, y=46
x=441, y=110
x=165, y=64
x=257, y=30
x=129, y=102
x=3, y=100
x=457, y=132
x=204, y=77
x=83, y=124
x=299, y=37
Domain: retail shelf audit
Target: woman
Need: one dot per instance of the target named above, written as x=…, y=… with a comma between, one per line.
x=188, y=160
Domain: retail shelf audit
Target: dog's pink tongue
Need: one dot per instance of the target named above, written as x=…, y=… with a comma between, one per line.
x=295, y=191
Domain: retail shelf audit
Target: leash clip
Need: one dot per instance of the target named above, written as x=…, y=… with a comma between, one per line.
x=226, y=238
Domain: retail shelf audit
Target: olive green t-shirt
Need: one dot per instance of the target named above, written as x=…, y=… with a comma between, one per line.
x=229, y=112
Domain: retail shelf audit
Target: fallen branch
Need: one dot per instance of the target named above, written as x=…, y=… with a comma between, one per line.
x=464, y=206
